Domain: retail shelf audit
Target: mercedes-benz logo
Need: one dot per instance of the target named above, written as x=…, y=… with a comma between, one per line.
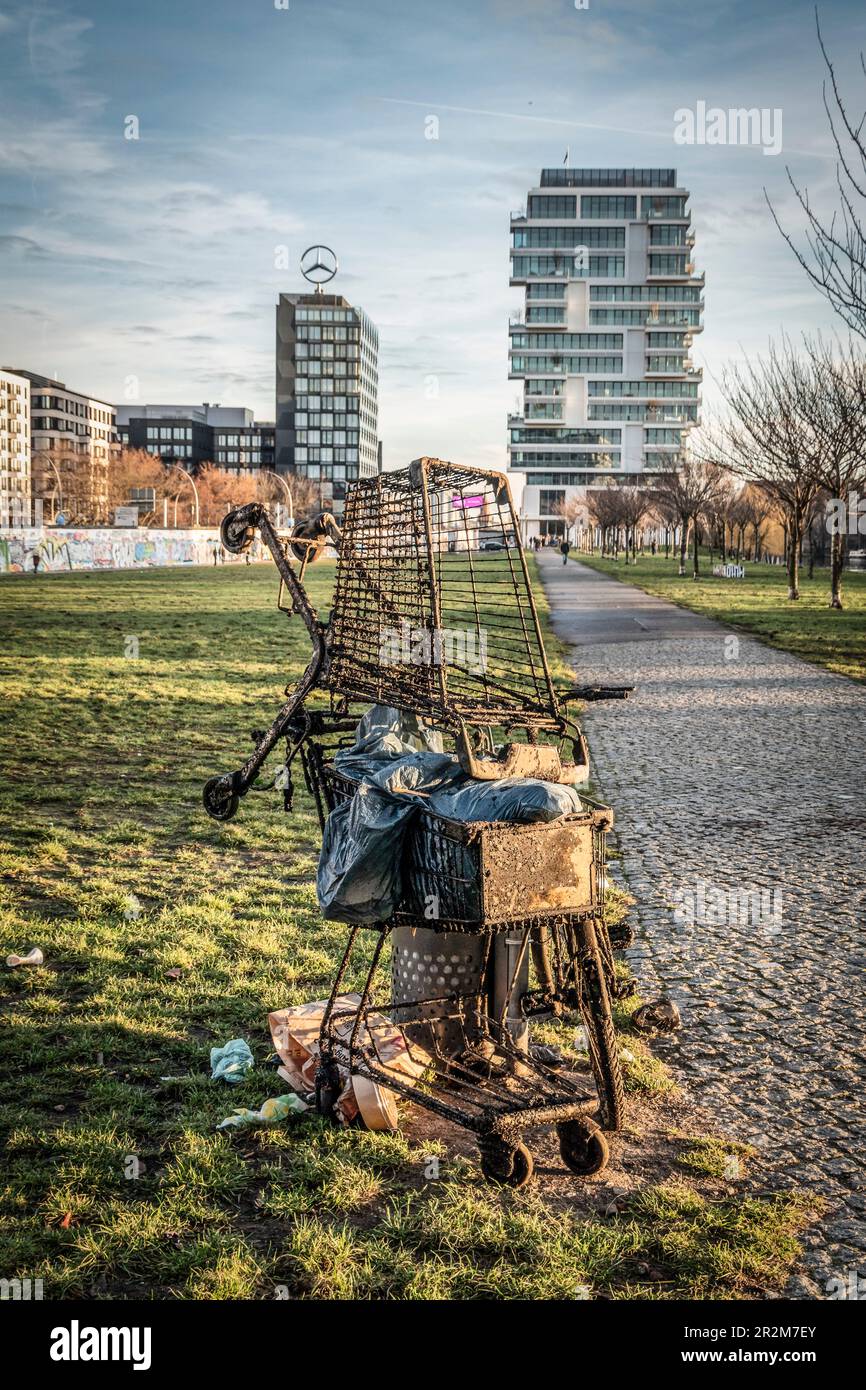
x=318, y=265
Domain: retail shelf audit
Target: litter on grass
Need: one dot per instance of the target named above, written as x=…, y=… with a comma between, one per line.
x=275, y=1109
x=232, y=1062
x=295, y=1034
x=34, y=957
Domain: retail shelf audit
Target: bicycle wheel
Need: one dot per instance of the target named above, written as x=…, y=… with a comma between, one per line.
x=598, y=1022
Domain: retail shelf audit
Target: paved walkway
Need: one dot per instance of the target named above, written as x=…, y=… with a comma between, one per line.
x=738, y=777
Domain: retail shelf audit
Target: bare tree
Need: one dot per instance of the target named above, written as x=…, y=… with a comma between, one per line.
x=135, y=468
x=835, y=260
x=688, y=495
x=838, y=418
x=756, y=508
x=605, y=508
x=717, y=515
x=770, y=437
x=75, y=480
x=634, y=503
x=573, y=510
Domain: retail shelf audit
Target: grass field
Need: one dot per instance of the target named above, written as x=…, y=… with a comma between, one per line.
x=758, y=604
x=165, y=933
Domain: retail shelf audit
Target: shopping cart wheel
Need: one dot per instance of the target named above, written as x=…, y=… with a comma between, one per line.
x=220, y=798
x=583, y=1146
x=501, y=1163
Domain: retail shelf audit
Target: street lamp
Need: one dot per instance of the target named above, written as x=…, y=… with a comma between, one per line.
x=58, y=506
x=191, y=482
x=282, y=481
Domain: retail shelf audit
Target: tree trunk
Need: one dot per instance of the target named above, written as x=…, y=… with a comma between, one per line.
x=684, y=541
x=794, y=538
x=695, y=553
x=836, y=562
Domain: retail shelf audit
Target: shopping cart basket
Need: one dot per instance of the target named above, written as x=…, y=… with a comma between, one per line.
x=434, y=614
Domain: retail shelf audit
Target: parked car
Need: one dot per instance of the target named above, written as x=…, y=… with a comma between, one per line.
x=497, y=543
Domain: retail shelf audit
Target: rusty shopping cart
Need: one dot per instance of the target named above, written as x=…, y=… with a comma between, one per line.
x=433, y=614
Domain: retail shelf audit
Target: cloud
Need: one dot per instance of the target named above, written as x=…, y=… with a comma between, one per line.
x=23, y=246
x=52, y=147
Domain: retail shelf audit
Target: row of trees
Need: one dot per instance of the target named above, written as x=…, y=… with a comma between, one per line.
x=86, y=489
x=796, y=424
x=673, y=511
x=790, y=447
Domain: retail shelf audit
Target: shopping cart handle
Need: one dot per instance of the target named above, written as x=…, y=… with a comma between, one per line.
x=589, y=693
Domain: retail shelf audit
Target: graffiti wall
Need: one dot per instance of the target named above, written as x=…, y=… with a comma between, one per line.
x=108, y=548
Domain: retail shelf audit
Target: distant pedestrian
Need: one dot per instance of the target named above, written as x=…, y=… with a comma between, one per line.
x=563, y=550
x=36, y=562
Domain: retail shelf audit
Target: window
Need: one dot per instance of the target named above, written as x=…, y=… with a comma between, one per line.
x=643, y=388
x=563, y=265
x=545, y=291
x=615, y=205
x=664, y=364
x=668, y=412
x=681, y=294
x=668, y=236
x=575, y=365
x=656, y=436
x=608, y=178
x=689, y=318
x=550, y=499
x=663, y=207
x=547, y=341
x=564, y=459
x=544, y=387
x=608, y=238
x=556, y=206
x=565, y=436
x=667, y=265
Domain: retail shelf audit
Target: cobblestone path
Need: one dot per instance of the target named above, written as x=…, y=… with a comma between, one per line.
x=737, y=770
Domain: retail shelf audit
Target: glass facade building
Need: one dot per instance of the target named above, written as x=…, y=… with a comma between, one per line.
x=193, y=435
x=327, y=416
x=612, y=304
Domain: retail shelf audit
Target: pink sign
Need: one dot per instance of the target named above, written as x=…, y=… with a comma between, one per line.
x=466, y=502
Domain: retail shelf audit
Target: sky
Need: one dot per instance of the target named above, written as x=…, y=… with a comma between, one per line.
x=148, y=269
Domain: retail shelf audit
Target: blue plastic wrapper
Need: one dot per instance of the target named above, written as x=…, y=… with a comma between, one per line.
x=400, y=769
